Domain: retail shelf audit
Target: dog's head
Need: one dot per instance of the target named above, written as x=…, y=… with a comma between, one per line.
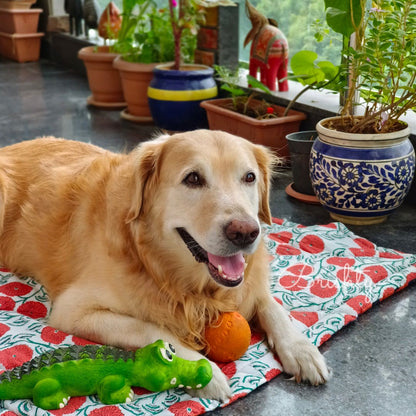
x=205, y=192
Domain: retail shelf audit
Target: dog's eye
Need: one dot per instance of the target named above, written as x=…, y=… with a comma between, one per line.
x=250, y=177
x=193, y=180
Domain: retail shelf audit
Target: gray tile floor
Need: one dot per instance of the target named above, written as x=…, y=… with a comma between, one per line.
x=373, y=359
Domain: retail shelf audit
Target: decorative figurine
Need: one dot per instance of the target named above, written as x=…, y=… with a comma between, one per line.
x=51, y=378
x=110, y=22
x=269, y=50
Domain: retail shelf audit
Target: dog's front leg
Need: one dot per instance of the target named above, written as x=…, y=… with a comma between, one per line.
x=107, y=327
x=298, y=356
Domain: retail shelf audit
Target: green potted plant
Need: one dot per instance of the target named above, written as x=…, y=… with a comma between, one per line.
x=260, y=121
x=177, y=89
x=103, y=79
x=245, y=115
x=146, y=41
x=362, y=165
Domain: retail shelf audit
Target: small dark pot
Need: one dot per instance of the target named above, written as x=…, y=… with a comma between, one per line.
x=300, y=145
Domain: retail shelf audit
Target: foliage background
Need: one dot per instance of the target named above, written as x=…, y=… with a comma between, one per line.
x=299, y=20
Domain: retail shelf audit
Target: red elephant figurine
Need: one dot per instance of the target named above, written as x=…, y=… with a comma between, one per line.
x=269, y=50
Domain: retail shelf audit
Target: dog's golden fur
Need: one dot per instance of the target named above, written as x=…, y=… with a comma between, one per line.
x=99, y=231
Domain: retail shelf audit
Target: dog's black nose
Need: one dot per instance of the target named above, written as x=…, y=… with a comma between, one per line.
x=242, y=233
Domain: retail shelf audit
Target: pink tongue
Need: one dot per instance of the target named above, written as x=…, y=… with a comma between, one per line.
x=232, y=266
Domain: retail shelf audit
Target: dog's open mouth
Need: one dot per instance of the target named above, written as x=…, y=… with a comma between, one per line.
x=227, y=271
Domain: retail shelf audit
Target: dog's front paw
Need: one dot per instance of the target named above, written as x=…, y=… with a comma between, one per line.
x=304, y=361
x=217, y=389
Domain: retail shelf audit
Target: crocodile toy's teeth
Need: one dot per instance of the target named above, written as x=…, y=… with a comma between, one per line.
x=64, y=402
x=173, y=381
x=129, y=399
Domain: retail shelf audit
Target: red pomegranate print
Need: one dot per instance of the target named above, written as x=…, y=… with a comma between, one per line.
x=256, y=337
x=376, y=273
x=15, y=356
x=82, y=341
x=282, y=237
x=387, y=255
x=3, y=329
x=52, y=335
x=287, y=250
x=341, y=261
x=387, y=292
x=349, y=318
x=15, y=289
x=271, y=374
x=187, y=408
x=307, y=318
x=106, y=411
x=34, y=310
x=323, y=288
x=324, y=338
x=229, y=369
x=360, y=303
x=367, y=248
x=300, y=269
x=6, y=303
x=312, y=244
x=293, y=283
x=331, y=225
x=74, y=404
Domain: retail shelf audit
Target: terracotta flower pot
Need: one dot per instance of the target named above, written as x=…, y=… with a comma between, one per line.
x=269, y=132
x=103, y=78
x=20, y=47
x=19, y=20
x=135, y=79
x=16, y=4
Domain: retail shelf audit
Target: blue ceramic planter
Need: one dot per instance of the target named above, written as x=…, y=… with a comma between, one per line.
x=175, y=96
x=360, y=178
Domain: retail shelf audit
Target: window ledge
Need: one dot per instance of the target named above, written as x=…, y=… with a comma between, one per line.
x=319, y=104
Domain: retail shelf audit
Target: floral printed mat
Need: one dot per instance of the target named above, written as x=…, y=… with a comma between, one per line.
x=324, y=275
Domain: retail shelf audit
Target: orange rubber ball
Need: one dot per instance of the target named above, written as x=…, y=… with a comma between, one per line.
x=228, y=338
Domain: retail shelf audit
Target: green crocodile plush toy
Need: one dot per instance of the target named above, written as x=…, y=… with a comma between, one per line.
x=53, y=377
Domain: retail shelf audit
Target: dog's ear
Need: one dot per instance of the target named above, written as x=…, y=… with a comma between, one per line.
x=145, y=167
x=266, y=160
x=3, y=196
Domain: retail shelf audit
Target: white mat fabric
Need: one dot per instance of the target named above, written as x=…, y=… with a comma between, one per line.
x=325, y=276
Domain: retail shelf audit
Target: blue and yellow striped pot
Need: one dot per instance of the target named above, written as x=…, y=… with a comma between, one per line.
x=174, y=96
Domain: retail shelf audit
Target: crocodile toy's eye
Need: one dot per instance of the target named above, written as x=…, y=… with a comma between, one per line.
x=170, y=347
x=166, y=354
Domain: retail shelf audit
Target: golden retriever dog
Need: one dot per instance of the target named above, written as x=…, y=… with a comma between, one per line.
x=149, y=245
